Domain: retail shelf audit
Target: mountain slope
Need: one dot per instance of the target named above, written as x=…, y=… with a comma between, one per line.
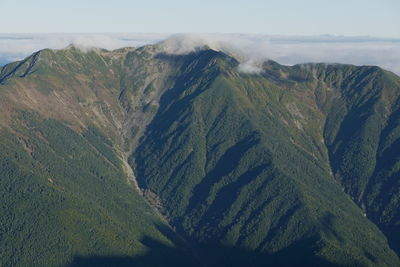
x=239, y=160
x=363, y=139
x=65, y=195
x=287, y=167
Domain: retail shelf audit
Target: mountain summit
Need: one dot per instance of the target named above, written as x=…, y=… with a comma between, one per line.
x=140, y=157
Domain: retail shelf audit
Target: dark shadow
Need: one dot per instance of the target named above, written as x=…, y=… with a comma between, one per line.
x=392, y=233
x=193, y=78
x=158, y=254
x=298, y=254
x=226, y=164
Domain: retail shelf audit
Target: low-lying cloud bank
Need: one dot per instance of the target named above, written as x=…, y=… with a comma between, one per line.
x=254, y=49
x=18, y=46
x=250, y=49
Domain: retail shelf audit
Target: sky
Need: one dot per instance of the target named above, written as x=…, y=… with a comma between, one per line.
x=380, y=18
x=360, y=32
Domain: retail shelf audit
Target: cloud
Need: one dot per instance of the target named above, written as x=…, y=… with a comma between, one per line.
x=254, y=49
x=18, y=46
x=362, y=51
x=250, y=67
x=251, y=50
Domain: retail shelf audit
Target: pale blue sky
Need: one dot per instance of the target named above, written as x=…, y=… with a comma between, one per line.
x=297, y=17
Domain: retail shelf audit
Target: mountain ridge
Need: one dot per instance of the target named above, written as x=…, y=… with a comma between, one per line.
x=183, y=120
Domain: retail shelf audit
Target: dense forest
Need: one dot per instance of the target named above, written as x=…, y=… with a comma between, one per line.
x=134, y=157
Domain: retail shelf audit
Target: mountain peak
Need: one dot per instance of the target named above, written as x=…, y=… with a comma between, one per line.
x=288, y=161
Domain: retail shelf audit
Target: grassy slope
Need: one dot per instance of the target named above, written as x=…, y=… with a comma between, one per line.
x=363, y=140
x=64, y=195
x=239, y=160
x=244, y=164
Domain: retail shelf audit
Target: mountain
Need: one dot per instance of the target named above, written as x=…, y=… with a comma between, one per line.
x=65, y=191
x=142, y=158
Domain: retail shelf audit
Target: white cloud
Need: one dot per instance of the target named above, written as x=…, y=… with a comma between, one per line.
x=18, y=46
x=251, y=50
x=250, y=67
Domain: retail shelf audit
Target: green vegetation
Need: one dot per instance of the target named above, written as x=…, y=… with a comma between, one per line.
x=64, y=195
x=237, y=160
x=293, y=166
x=363, y=140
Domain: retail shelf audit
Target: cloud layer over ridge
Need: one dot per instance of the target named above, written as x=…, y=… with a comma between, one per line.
x=250, y=49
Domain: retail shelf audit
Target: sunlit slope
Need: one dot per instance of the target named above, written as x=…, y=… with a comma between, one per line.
x=240, y=161
x=362, y=135
x=289, y=166
x=65, y=196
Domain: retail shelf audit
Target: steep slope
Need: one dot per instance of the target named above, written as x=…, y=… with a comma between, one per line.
x=291, y=166
x=362, y=137
x=64, y=193
x=240, y=161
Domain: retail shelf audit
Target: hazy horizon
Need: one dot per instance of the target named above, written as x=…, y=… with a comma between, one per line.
x=289, y=32
x=285, y=49
x=286, y=17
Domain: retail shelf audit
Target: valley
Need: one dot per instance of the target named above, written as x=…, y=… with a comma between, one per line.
x=140, y=157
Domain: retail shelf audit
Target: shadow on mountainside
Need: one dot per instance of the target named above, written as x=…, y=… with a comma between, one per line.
x=393, y=235
x=159, y=254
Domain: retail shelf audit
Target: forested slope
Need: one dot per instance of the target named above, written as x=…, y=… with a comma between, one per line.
x=290, y=166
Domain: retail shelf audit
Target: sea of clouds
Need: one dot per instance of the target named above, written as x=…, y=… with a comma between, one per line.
x=250, y=49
